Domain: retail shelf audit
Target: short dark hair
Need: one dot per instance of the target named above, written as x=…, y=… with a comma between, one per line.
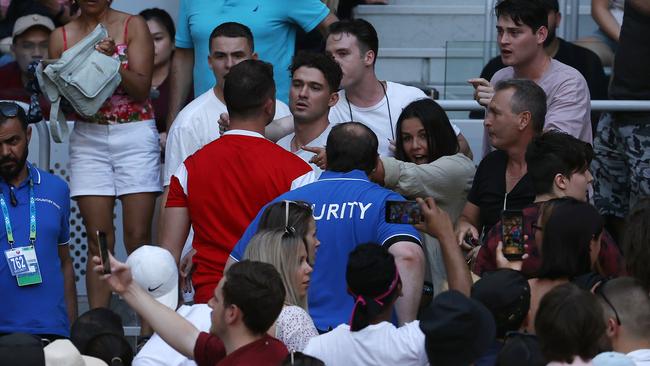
x=528, y=96
x=232, y=30
x=635, y=242
x=247, y=86
x=569, y=322
x=370, y=273
x=532, y=13
x=256, y=288
x=162, y=17
x=364, y=32
x=551, y=5
x=16, y=109
x=109, y=348
x=556, y=152
x=628, y=301
x=568, y=232
x=350, y=146
x=325, y=64
x=441, y=137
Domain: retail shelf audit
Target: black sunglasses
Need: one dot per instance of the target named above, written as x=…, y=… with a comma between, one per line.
x=600, y=290
x=10, y=110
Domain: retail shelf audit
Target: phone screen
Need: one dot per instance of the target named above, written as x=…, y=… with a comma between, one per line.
x=103, y=251
x=403, y=212
x=512, y=232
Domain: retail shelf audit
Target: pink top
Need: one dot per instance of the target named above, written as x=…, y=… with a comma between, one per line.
x=120, y=107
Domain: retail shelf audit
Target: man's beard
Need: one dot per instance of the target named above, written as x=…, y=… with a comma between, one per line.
x=8, y=174
x=550, y=38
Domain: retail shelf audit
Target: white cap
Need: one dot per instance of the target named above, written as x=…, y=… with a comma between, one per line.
x=63, y=353
x=154, y=269
x=25, y=22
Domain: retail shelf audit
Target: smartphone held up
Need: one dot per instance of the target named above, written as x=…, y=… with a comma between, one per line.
x=403, y=212
x=103, y=251
x=512, y=234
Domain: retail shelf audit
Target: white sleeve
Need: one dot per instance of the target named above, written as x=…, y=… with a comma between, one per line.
x=303, y=180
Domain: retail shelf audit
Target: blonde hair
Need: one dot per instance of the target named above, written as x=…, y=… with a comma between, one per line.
x=280, y=249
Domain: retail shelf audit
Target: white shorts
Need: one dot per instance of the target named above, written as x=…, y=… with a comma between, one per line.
x=114, y=160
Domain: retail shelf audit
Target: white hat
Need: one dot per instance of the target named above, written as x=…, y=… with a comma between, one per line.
x=63, y=353
x=154, y=269
x=25, y=22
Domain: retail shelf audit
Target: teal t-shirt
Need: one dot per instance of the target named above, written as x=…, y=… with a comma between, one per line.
x=273, y=23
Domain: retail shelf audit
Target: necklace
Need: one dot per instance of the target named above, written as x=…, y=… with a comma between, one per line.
x=390, y=118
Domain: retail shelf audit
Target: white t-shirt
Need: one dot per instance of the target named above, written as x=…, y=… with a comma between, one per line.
x=376, y=117
x=641, y=357
x=377, y=344
x=197, y=125
x=319, y=141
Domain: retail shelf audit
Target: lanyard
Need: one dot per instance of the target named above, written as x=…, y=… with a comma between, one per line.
x=32, y=217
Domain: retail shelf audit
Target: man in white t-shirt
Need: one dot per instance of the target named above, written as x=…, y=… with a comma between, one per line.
x=363, y=98
x=626, y=306
x=313, y=91
x=522, y=28
x=196, y=125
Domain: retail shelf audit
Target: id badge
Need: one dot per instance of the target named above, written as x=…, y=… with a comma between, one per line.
x=18, y=259
x=30, y=278
x=33, y=274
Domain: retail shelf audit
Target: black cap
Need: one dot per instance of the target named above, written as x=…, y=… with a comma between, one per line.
x=457, y=329
x=506, y=293
x=21, y=349
x=93, y=323
x=521, y=349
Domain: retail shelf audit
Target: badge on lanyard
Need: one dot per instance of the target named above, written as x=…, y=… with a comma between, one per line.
x=22, y=261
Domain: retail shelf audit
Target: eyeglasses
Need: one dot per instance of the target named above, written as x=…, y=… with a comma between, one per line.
x=600, y=290
x=537, y=227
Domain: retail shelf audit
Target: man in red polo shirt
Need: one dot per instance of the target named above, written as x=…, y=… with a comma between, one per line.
x=220, y=188
x=244, y=305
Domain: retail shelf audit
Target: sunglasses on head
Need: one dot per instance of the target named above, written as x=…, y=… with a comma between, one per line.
x=10, y=110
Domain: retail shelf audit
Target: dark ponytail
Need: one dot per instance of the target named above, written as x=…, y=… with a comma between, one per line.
x=373, y=281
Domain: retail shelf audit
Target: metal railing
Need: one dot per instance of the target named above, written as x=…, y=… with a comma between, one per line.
x=596, y=105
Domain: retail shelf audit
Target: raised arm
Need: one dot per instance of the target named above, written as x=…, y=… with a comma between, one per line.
x=438, y=224
x=179, y=333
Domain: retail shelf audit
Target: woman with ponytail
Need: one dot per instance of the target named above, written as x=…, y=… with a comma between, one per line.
x=370, y=338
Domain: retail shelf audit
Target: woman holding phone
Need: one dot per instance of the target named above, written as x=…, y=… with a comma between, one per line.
x=428, y=163
x=114, y=153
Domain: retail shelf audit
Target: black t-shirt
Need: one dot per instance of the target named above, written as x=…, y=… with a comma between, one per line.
x=631, y=78
x=580, y=58
x=489, y=189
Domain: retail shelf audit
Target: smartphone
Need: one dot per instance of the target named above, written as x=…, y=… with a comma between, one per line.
x=403, y=212
x=103, y=251
x=512, y=234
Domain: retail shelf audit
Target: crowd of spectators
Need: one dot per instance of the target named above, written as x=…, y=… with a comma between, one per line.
x=275, y=246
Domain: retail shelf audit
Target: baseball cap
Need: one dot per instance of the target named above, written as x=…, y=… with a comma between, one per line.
x=25, y=22
x=506, y=293
x=154, y=269
x=21, y=349
x=457, y=329
x=94, y=323
x=63, y=353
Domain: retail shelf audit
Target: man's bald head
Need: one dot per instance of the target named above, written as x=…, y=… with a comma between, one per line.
x=351, y=146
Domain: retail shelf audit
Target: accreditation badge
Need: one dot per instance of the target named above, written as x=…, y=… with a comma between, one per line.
x=23, y=264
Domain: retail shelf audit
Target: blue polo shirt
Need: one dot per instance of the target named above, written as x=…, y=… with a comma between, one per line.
x=41, y=308
x=272, y=22
x=349, y=210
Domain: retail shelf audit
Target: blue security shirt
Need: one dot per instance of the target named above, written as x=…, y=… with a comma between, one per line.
x=272, y=22
x=349, y=210
x=41, y=308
